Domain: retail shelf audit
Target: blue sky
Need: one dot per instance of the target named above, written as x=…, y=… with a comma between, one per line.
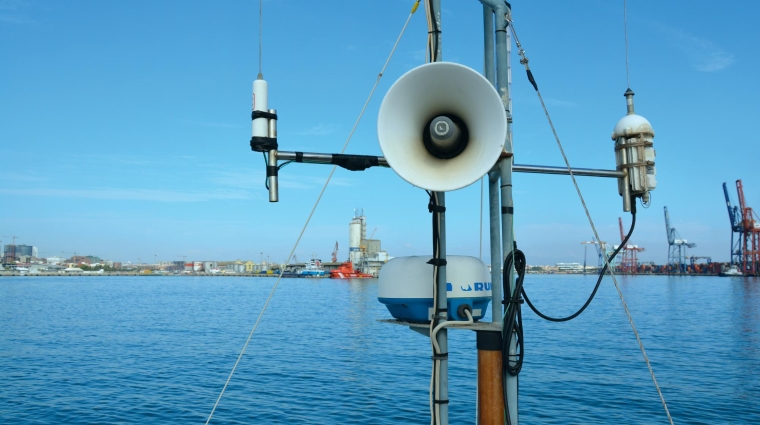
x=124, y=126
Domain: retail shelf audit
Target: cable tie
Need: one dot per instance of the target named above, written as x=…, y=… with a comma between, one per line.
x=272, y=170
x=436, y=208
x=438, y=262
x=263, y=144
x=299, y=156
x=441, y=401
x=440, y=356
x=263, y=114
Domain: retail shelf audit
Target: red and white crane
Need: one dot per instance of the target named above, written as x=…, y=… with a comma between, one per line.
x=629, y=263
x=750, y=262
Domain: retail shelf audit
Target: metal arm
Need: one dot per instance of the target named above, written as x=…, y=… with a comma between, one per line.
x=362, y=162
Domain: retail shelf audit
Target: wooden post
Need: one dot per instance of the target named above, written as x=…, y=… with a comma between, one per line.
x=490, y=389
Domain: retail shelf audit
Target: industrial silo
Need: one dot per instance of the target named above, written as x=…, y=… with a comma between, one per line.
x=355, y=239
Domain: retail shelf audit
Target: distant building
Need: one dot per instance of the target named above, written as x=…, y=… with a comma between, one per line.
x=79, y=259
x=27, y=250
x=236, y=267
x=9, y=253
x=55, y=260
x=570, y=267
x=365, y=254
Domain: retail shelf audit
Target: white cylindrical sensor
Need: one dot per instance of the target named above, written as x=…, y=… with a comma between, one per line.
x=260, y=126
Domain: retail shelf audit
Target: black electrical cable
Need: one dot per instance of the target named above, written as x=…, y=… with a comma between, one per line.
x=598, y=282
x=433, y=208
x=512, y=323
x=434, y=30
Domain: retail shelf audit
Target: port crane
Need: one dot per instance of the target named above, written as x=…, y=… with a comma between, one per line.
x=585, y=250
x=629, y=263
x=750, y=263
x=676, y=246
x=737, y=228
x=601, y=250
x=694, y=258
x=334, y=257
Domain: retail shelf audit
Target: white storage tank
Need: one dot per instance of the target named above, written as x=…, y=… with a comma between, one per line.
x=405, y=286
x=354, y=234
x=197, y=266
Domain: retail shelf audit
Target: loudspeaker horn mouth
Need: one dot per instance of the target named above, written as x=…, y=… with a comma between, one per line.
x=442, y=126
x=445, y=136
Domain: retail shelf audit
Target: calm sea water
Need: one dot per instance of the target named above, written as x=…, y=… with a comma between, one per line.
x=87, y=350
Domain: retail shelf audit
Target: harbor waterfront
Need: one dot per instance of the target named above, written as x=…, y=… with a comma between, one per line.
x=99, y=349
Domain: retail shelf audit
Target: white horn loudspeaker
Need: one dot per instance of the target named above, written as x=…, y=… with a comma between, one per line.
x=442, y=126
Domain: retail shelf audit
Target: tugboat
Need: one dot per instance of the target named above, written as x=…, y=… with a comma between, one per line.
x=346, y=271
x=313, y=269
x=732, y=271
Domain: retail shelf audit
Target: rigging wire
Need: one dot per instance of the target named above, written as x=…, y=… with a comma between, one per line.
x=313, y=209
x=625, y=29
x=524, y=62
x=261, y=20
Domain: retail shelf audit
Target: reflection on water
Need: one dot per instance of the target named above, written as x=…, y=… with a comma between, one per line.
x=157, y=350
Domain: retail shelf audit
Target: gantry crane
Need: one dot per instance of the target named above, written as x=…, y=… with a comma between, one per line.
x=750, y=264
x=601, y=250
x=629, y=263
x=737, y=228
x=676, y=247
x=694, y=258
x=585, y=249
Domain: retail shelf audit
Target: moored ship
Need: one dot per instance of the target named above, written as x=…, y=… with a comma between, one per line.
x=313, y=269
x=346, y=271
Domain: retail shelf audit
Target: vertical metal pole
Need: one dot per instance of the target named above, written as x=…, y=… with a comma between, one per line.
x=490, y=405
x=442, y=335
x=493, y=180
x=496, y=257
x=488, y=59
x=274, y=194
x=437, y=17
x=505, y=167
